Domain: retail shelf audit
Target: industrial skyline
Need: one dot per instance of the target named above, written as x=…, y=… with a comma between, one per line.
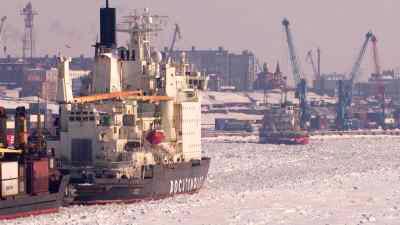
x=337, y=27
x=199, y=112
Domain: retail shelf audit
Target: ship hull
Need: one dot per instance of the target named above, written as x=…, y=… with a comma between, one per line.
x=285, y=139
x=165, y=181
x=28, y=205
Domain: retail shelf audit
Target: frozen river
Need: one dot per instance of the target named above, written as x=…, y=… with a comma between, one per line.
x=331, y=181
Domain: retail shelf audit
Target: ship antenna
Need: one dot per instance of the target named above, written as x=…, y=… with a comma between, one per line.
x=107, y=4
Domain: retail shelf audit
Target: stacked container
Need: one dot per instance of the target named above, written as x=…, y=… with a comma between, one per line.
x=3, y=127
x=38, y=176
x=9, y=179
x=21, y=179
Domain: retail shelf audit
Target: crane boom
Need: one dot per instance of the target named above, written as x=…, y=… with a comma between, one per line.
x=297, y=74
x=300, y=81
x=361, y=54
x=310, y=59
x=319, y=63
x=376, y=55
x=345, y=89
x=177, y=36
x=2, y=22
x=380, y=86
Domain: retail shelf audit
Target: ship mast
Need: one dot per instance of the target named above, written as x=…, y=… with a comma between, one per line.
x=141, y=28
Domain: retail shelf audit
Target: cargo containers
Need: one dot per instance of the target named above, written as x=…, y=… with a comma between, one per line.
x=220, y=123
x=21, y=179
x=319, y=123
x=38, y=176
x=233, y=125
x=9, y=179
x=9, y=187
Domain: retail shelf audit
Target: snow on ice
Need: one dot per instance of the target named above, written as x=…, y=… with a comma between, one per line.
x=331, y=181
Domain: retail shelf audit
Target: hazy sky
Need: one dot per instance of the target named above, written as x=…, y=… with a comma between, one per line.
x=338, y=27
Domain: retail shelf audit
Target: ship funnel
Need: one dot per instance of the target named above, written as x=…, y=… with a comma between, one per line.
x=3, y=127
x=21, y=130
x=108, y=24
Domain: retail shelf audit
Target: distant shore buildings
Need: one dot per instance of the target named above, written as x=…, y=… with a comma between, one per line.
x=230, y=69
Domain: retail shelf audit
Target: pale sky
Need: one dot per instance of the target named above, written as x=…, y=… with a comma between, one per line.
x=338, y=27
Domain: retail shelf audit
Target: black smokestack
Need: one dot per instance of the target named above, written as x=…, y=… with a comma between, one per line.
x=108, y=24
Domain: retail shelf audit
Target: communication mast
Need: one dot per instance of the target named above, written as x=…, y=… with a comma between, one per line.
x=28, y=41
x=141, y=28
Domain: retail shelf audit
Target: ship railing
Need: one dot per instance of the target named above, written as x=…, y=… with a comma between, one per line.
x=114, y=165
x=74, y=164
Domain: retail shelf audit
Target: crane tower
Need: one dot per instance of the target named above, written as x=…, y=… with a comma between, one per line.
x=300, y=81
x=345, y=89
x=377, y=77
x=375, y=55
x=28, y=41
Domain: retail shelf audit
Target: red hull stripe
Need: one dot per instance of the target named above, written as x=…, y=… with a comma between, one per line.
x=27, y=214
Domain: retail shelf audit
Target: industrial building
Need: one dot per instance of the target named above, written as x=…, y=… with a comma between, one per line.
x=11, y=73
x=43, y=82
x=327, y=84
x=39, y=76
x=267, y=80
x=237, y=70
x=39, y=82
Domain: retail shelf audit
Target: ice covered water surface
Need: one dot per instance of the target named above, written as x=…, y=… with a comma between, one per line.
x=330, y=181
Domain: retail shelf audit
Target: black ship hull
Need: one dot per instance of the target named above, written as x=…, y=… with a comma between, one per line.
x=29, y=205
x=160, y=182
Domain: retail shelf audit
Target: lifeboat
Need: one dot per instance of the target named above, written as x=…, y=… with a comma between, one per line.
x=156, y=137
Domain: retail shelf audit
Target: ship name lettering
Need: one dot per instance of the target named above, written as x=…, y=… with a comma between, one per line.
x=185, y=185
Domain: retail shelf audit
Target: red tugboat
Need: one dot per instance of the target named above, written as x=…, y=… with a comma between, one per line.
x=30, y=184
x=281, y=126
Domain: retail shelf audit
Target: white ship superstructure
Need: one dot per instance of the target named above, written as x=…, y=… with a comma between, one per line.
x=140, y=110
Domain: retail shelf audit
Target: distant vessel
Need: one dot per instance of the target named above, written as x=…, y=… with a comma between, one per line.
x=29, y=181
x=281, y=126
x=136, y=132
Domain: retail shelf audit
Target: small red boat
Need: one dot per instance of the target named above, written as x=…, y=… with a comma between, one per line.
x=281, y=126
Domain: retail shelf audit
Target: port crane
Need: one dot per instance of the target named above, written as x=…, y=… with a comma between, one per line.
x=318, y=84
x=345, y=89
x=315, y=67
x=310, y=59
x=377, y=77
x=375, y=55
x=177, y=36
x=2, y=22
x=300, y=81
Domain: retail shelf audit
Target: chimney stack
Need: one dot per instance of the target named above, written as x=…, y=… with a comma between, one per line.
x=108, y=24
